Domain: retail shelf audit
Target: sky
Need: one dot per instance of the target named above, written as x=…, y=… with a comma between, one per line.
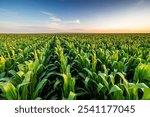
x=75, y=16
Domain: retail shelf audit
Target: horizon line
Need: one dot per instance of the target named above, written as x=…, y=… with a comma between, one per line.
x=77, y=33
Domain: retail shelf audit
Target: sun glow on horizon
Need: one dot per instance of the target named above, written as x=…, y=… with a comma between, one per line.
x=108, y=17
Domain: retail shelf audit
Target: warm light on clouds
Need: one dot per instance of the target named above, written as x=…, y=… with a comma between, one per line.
x=118, y=17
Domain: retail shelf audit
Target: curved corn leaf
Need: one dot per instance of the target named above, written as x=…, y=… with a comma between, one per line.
x=9, y=90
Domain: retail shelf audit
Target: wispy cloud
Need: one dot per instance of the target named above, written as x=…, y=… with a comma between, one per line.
x=52, y=23
x=77, y=21
x=12, y=27
x=53, y=19
x=46, y=13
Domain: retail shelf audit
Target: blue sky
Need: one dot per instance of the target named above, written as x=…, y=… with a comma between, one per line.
x=48, y=16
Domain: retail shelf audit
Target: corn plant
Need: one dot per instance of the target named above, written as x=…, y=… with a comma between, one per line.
x=75, y=66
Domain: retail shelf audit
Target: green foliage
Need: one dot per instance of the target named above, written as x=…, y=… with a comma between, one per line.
x=75, y=66
x=142, y=73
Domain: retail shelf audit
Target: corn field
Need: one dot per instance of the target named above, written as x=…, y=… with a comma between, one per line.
x=75, y=66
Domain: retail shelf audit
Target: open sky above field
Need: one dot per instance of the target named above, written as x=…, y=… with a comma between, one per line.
x=95, y=16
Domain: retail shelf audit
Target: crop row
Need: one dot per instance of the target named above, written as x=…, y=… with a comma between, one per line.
x=75, y=66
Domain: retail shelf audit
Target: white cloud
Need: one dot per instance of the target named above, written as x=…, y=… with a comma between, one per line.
x=51, y=23
x=54, y=19
x=58, y=24
x=77, y=21
x=46, y=13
